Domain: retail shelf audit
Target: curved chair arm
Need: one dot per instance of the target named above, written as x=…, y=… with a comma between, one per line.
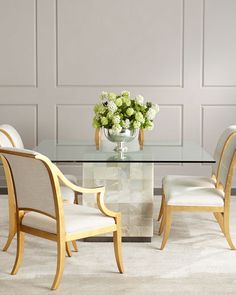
x=74, y=187
x=103, y=208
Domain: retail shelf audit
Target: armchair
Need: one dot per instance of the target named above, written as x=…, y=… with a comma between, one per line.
x=34, y=181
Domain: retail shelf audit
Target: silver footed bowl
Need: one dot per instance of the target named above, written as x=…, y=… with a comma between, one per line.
x=125, y=135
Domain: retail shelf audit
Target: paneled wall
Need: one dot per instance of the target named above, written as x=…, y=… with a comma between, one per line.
x=56, y=56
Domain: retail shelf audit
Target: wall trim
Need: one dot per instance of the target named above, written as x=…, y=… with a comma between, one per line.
x=157, y=191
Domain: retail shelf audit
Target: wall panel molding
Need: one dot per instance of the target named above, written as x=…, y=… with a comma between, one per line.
x=204, y=60
x=113, y=85
x=35, y=45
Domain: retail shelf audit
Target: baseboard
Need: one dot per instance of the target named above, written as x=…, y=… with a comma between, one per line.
x=157, y=191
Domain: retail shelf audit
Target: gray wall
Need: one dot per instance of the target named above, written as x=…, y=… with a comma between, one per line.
x=57, y=56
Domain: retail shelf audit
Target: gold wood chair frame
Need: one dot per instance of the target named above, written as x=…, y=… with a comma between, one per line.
x=12, y=210
x=213, y=177
x=61, y=238
x=220, y=213
x=98, y=138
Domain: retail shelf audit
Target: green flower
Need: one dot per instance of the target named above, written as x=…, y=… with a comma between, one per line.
x=127, y=101
x=136, y=125
x=118, y=102
x=130, y=112
x=116, y=128
x=116, y=119
x=99, y=108
x=111, y=96
x=125, y=93
x=104, y=121
x=149, y=125
x=139, y=117
x=96, y=123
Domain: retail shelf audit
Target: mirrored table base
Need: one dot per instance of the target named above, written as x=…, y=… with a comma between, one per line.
x=129, y=190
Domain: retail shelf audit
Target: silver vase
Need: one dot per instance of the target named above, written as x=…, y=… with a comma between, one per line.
x=125, y=135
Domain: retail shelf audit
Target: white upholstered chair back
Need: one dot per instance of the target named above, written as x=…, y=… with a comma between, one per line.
x=15, y=136
x=227, y=162
x=4, y=140
x=220, y=147
x=34, y=186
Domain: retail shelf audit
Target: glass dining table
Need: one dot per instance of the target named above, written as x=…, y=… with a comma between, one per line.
x=128, y=177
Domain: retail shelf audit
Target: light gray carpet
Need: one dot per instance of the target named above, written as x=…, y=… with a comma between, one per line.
x=196, y=260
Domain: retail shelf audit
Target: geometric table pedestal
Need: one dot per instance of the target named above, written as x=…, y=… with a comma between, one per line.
x=129, y=190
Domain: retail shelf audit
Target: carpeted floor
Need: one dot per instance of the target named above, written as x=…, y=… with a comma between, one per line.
x=196, y=260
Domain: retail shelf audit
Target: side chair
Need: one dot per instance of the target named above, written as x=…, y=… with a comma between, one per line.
x=181, y=182
x=35, y=183
x=205, y=199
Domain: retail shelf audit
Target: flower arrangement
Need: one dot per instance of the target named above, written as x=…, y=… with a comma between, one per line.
x=117, y=111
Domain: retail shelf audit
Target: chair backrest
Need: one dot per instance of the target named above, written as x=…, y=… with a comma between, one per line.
x=5, y=140
x=227, y=164
x=36, y=187
x=13, y=135
x=220, y=148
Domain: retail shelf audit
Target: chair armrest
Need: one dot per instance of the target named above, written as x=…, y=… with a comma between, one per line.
x=103, y=208
x=74, y=187
x=99, y=190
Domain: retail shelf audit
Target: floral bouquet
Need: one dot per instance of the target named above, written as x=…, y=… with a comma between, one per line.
x=118, y=111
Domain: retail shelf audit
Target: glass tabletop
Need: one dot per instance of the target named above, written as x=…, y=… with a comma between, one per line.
x=86, y=152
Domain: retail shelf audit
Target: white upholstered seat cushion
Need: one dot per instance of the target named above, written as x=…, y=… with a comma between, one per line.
x=178, y=182
x=77, y=219
x=195, y=197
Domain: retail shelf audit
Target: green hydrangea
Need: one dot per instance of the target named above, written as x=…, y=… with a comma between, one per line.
x=136, y=125
x=111, y=96
x=104, y=121
x=139, y=117
x=130, y=112
x=126, y=101
x=125, y=93
x=118, y=102
x=117, y=111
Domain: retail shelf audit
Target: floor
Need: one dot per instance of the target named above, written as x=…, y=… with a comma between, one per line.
x=196, y=260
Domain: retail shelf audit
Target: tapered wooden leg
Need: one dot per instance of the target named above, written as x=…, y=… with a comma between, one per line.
x=75, y=246
x=161, y=208
x=163, y=220
x=219, y=218
x=68, y=250
x=9, y=240
x=60, y=263
x=227, y=231
x=167, y=226
x=117, y=247
x=19, y=252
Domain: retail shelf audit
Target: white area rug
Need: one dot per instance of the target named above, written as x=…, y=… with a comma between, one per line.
x=196, y=260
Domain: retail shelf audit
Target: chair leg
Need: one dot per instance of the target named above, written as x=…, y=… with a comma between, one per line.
x=76, y=198
x=162, y=207
x=60, y=264
x=117, y=248
x=227, y=231
x=20, y=251
x=167, y=226
x=163, y=220
x=9, y=240
x=68, y=250
x=75, y=246
x=220, y=220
